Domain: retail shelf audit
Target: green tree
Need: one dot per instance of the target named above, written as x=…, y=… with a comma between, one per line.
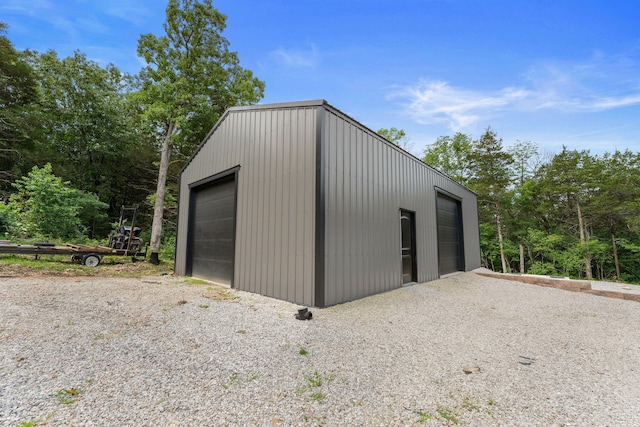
x=191, y=79
x=17, y=97
x=523, y=153
x=491, y=180
x=567, y=186
x=396, y=136
x=451, y=155
x=50, y=208
x=615, y=201
x=89, y=132
x=525, y=156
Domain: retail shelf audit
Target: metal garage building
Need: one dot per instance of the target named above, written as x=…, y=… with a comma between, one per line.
x=299, y=201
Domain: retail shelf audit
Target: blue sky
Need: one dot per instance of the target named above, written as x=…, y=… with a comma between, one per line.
x=558, y=72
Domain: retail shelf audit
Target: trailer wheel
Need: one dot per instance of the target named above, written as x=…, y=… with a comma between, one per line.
x=77, y=258
x=91, y=260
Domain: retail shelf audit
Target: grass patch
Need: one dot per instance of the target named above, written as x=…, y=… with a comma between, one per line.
x=67, y=396
x=15, y=265
x=584, y=314
x=318, y=396
x=233, y=380
x=28, y=423
x=303, y=352
x=467, y=404
x=314, y=380
x=203, y=306
x=219, y=293
x=193, y=281
x=313, y=384
x=424, y=416
x=448, y=414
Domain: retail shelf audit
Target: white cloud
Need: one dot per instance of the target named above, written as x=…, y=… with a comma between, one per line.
x=598, y=84
x=437, y=101
x=608, y=103
x=297, y=58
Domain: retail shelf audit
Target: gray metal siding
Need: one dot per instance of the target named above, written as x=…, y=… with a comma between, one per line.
x=275, y=149
x=367, y=182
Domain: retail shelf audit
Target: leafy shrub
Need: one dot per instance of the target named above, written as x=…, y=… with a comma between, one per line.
x=50, y=208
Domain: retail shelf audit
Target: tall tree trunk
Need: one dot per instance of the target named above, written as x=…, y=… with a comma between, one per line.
x=615, y=254
x=521, y=259
x=500, y=239
x=583, y=240
x=158, y=210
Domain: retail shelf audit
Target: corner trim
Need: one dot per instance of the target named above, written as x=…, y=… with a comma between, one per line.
x=319, y=285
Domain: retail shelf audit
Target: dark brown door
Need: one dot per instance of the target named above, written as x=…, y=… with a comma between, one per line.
x=407, y=227
x=213, y=231
x=450, y=243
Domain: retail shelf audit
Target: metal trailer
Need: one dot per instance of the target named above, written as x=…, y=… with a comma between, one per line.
x=82, y=254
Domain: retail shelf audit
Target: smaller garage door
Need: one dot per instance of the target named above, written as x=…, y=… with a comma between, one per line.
x=212, y=230
x=450, y=243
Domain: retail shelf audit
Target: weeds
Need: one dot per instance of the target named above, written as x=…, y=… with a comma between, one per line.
x=314, y=380
x=219, y=293
x=303, y=351
x=318, y=396
x=61, y=265
x=192, y=281
x=466, y=404
x=233, y=379
x=67, y=396
x=448, y=414
x=424, y=416
x=203, y=306
x=313, y=383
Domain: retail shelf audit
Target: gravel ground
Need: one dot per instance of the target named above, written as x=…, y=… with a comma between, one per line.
x=160, y=351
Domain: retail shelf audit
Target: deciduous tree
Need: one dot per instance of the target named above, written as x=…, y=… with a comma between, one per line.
x=191, y=79
x=397, y=136
x=492, y=181
x=17, y=97
x=451, y=155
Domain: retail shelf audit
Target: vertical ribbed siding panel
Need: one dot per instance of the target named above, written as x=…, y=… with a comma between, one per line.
x=471, y=232
x=368, y=181
x=275, y=149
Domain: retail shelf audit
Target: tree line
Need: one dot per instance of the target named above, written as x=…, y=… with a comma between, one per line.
x=107, y=137
x=79, y=140
x=570, y=213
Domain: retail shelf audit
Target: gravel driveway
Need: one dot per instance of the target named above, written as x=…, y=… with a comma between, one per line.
x=160, y=351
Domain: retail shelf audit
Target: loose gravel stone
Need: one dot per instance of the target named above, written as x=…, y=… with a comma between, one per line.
x=163, y=351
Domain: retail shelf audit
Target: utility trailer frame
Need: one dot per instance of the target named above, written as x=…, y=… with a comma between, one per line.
x=82, y=254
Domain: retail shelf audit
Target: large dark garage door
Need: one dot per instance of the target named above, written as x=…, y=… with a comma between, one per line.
x=212, y=230
x=450, y=243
